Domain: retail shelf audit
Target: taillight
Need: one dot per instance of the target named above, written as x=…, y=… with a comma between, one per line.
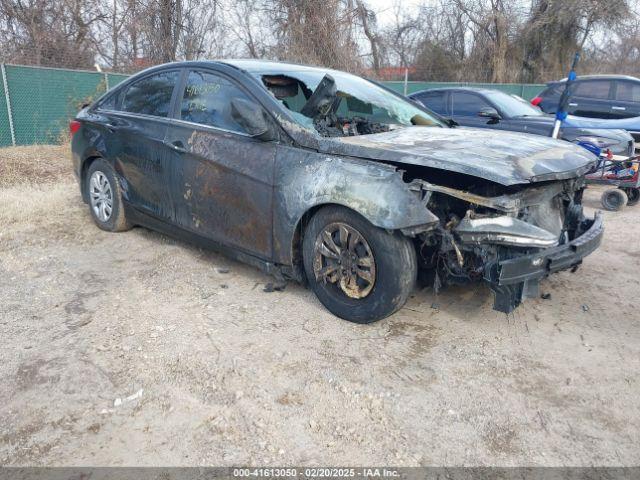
x=74, y=126
x=536, y=101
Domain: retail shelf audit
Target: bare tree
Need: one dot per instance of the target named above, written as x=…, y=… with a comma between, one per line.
x=555, y=29
x=367, y=19
x=249, y=28
x=315, y=32
x=49, y=32
x=445, y=40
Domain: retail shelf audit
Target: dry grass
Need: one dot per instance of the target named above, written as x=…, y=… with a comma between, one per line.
x=37, y=204
x=37, y=190
x=34, y=164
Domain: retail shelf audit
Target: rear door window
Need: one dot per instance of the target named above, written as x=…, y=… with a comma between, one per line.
x=207, y=100
x=592, y=89
x=434, y=101
x=151, y=95
x=628, y=92
x=468, y=104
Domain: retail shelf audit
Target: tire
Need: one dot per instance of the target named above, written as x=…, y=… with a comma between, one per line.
x=633, y=195
x=614, y=199
x=106, y=187
x=389, y=259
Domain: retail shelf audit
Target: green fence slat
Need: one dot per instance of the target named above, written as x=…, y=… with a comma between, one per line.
x=116, y=78
x=43, y=100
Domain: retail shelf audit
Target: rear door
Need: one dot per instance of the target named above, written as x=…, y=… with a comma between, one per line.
x=627, y=99
x=138, y=127
x=591, y=98
x=224, y=177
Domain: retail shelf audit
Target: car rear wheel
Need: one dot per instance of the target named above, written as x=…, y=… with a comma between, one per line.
x=359, y=272
x=633, y=195
x=614, y=199
x=105, y=198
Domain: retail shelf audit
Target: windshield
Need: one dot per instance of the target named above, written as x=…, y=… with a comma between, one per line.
x=513, y=106
x=340, y=104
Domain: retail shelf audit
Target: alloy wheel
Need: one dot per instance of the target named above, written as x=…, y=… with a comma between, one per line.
x=343, y=257
x=101, y=196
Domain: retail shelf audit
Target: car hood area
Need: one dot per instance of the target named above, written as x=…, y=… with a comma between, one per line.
x=632, y=123
x=498, y=156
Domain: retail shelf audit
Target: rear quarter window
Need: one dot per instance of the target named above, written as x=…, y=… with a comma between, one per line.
x=553, y=90
x=108, y=102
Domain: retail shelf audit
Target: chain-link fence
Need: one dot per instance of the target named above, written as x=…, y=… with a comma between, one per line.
x=36, y=103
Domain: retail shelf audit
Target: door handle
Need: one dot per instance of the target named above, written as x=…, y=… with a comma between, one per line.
x=618, y=108
x=572, y=104
x=176, y=146
x=112, y=127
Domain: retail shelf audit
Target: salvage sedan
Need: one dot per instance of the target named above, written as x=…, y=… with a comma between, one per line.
x=325, y=177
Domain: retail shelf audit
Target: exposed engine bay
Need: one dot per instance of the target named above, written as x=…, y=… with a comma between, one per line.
x=332, y=112
x=478, y=232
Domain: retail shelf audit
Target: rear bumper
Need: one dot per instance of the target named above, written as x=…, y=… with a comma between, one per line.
x=551, y=260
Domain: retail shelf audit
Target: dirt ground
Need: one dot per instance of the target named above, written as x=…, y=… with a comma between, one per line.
x=136, y=349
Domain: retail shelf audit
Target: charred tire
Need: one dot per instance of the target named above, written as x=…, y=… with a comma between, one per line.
x=633, y=195
x=614, y=199
x=391, y=256
x=105, y=197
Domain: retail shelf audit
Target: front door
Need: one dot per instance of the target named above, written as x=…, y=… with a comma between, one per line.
x=224, y=177
x=465, y=107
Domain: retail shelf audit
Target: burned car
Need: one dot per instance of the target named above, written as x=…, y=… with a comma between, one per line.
x=327, y=178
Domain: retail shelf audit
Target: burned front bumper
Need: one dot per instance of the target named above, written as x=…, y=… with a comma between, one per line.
x=515, y=279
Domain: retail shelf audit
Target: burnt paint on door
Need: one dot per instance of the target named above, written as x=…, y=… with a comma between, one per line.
x=224, y=187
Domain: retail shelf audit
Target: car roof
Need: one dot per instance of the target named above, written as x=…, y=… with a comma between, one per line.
x=249, y=65
x=257, y=66
x=602, y=76
x=457, y=89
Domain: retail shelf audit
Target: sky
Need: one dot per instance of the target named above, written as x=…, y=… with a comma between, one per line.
x=384, y=8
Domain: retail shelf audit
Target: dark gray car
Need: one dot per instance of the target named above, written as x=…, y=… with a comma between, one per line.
x=487, y=108
x=322, y=176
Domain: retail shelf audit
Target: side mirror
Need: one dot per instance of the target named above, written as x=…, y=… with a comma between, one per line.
x=490, y=113
x=253, y=119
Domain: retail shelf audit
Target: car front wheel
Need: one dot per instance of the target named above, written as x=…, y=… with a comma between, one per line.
x=359, y=272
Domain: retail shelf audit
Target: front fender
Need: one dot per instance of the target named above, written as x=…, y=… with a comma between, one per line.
x=305, y=179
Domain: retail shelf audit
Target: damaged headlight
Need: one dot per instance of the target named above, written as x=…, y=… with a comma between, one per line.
x=504, y=230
